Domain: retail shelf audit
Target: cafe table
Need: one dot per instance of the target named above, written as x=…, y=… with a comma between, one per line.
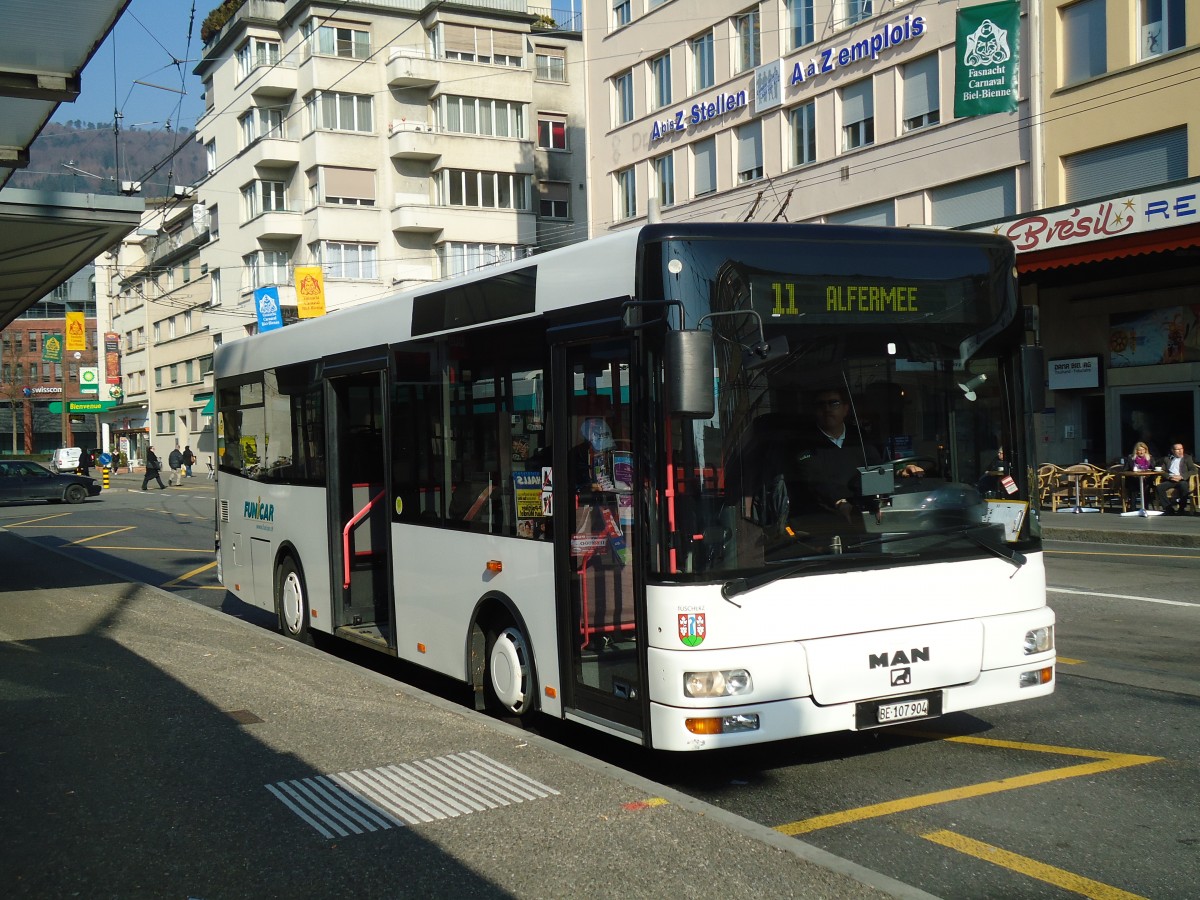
x=1077, y=473
x=1141, y=475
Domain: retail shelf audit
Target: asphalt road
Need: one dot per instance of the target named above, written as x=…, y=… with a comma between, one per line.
x=1091, y=792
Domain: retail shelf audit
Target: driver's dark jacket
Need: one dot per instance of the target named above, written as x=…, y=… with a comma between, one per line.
x=819, y=473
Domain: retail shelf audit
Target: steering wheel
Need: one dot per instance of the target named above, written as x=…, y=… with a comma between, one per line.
x=926, y=463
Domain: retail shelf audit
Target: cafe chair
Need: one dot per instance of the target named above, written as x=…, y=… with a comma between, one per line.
x=1054, y=487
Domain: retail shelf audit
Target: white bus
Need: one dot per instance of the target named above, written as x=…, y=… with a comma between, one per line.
x=696, y=485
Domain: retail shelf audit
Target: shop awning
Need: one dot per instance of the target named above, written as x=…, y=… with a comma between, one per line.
x=1112, y=248
x=210, y=408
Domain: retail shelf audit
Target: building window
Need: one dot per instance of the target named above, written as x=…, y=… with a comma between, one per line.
x=974, y=200
x=626, y=194
x=803, y=120
x=749, y=149
x=704, y=166
x=1085, y=37
x=259, y=197
x=260, y=122
x=747, y=52
x=492, y=190
x=210, y=157
x=622, y=13
x=333, y=40
x=334, y=111
x=472, y=115
x=551, y=64
x=883, y=213
x=921, y=106
x=254, y=53
x=266, y=267
x=342, y=260
x=458, y=258
x=470, y=44
x=553, y=203
x=1162, y=26
x=704, y=73
x=800, y=22
x=856, y=11
x=1127, y=166
x=214, y=293
x=664, y=179
x=341, y=187
x=858, y=115
x=660, y=77
x=552, y=132
x=623, y=98
x=164, y=422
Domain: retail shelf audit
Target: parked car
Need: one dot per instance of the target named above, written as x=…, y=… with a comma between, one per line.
x=21, y=479
x=65, y=459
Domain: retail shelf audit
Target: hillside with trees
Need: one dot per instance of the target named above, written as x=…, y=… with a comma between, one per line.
x=90, y=150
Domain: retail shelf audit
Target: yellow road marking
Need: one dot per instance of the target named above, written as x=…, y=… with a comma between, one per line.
x=41, y=519
x=103, y=534
x=1115, y=553
x=167, y=549
x=186, y=575
x=1024, y=865
x=1067, y=661
x=1104, y=762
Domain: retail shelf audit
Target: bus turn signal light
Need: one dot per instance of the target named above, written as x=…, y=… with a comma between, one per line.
x=723, y=724
x=494, y=565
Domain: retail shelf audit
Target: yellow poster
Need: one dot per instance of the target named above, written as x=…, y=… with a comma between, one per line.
x=310, y=291
x=76, y=332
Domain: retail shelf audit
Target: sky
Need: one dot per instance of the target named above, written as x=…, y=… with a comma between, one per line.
x=143, y=50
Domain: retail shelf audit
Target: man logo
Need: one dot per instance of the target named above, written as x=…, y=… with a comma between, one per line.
x=898, y=658
x=901, y=677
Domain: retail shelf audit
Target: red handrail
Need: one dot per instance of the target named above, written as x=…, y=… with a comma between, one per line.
x=358, y=517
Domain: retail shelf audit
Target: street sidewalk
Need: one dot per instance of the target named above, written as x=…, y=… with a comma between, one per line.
x=153, y=747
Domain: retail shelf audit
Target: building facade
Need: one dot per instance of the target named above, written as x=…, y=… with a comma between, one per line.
x=391, y=144
x=855, y=111
x=33, y=388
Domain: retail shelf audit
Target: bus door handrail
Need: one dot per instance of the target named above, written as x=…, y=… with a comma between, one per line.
x=358, y=517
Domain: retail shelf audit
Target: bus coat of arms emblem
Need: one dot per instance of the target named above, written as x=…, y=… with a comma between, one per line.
x=691, y=629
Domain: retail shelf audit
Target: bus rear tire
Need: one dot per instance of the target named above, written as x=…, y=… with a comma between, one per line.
x=508, y=682
x=291, y=600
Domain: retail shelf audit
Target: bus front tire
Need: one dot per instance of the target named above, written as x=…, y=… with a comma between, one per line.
x=508, y=682
x=291, y=600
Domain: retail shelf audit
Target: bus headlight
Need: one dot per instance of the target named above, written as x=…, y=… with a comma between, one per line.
x=1039, y=640
x=719, y=683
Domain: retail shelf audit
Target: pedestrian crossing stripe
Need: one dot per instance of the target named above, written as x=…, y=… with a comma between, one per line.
x=428, y=790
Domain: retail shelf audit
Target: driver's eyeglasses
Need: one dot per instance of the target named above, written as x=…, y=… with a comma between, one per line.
x=831, y=404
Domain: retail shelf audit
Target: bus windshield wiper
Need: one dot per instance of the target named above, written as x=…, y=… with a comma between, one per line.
x=735, y=586
x=970, y=532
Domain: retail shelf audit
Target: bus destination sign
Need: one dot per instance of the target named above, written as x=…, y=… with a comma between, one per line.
x=813, y=299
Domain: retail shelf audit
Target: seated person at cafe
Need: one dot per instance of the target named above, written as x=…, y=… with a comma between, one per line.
x=1172, y=489
x=1139, y=461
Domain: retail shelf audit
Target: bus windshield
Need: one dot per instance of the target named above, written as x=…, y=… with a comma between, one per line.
x=878, y=427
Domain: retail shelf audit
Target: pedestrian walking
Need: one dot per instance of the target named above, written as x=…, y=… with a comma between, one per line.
x=85, y=462
x=175, y=461
x=189, y=460
x=152, y=467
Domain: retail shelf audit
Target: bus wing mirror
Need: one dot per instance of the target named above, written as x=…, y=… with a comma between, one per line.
x=689, y=370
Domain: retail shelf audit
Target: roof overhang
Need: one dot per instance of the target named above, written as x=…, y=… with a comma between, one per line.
x=45, y=238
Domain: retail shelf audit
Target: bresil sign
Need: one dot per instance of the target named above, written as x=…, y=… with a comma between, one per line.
x=683, y=119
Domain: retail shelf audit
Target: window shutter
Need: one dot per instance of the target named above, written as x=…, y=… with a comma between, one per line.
x=705, y=158
x=1127, y=166
x=921, y=87
x=975, y=200
x=507, y=43
x=857, y=105
x=358, y=184
x=749, y=147
x=458, y=38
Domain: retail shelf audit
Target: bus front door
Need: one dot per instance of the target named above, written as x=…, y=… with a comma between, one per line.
x=602, y=629
x=358, y=509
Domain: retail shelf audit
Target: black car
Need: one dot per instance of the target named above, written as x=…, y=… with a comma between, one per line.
x=21, y=479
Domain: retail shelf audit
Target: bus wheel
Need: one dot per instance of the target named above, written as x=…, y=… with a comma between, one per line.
x=291, y=600
x=508, y=682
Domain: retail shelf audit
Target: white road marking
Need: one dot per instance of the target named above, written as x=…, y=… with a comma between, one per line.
x=1054, y=590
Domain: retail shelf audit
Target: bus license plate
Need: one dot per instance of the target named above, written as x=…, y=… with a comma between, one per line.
x=898, y=712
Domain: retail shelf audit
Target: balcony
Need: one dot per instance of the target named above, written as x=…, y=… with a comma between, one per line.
x=275, y=225
x=274, y=81
x=412, y=140
x=273, y=152
x=414, y=214
x=410, y=67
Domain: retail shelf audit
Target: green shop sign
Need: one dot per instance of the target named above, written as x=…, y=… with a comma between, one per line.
x=82, y=406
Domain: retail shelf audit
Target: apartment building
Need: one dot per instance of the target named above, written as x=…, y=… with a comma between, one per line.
x=155, y=314
x=391, y=143
x=870, y=112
